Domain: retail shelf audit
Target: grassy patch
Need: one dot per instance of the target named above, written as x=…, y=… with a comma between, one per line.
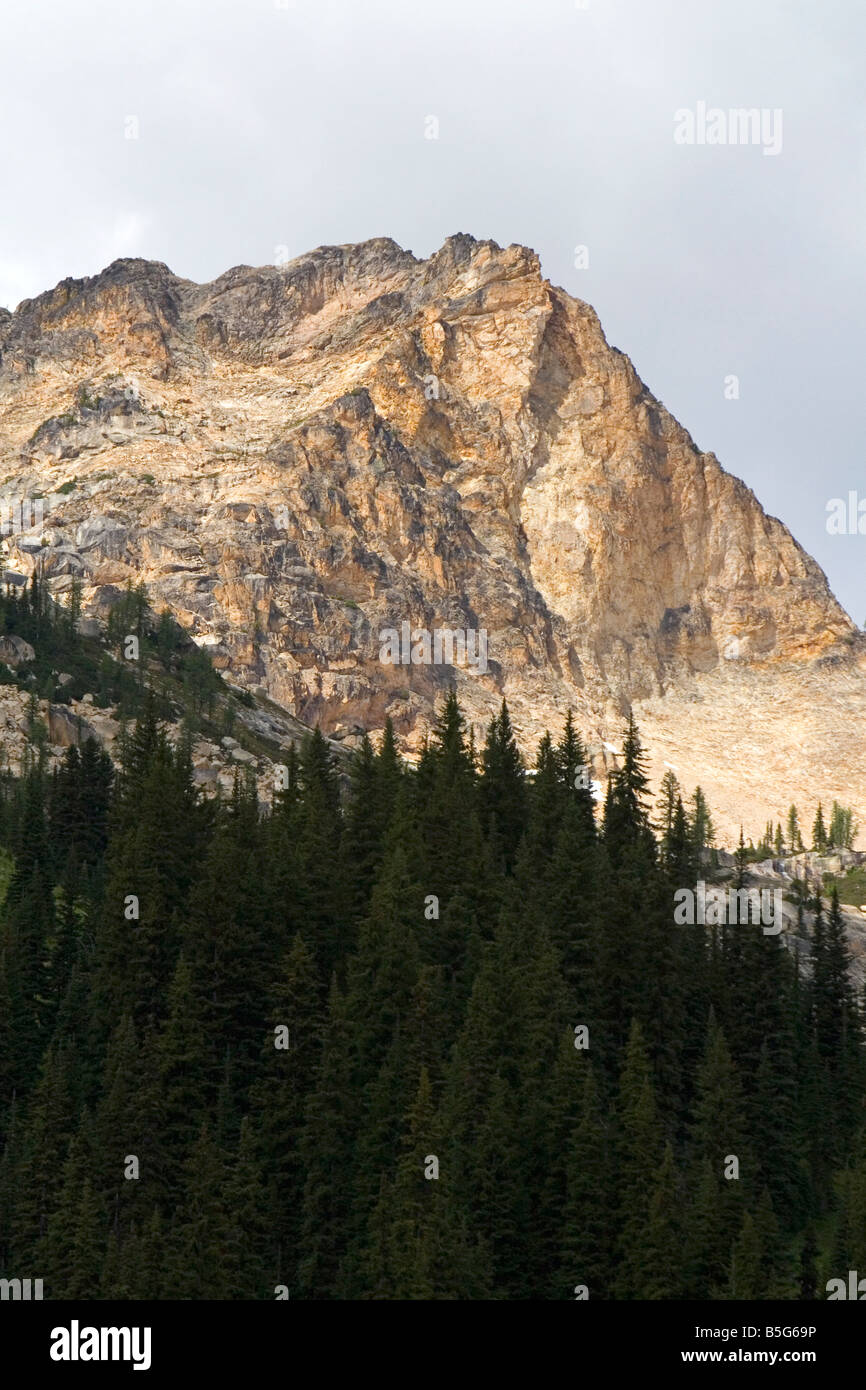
x=851, y=887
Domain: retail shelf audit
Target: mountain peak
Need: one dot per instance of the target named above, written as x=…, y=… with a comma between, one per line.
x=296, y=458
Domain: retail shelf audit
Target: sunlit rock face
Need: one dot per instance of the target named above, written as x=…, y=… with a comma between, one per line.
x=299, y=459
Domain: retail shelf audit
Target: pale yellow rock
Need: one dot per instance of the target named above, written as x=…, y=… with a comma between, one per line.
x=297, y=458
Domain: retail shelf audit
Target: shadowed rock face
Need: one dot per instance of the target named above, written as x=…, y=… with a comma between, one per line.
x=297, y=458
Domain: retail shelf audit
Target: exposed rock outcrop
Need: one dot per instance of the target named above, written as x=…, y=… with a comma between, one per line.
x=295, y=459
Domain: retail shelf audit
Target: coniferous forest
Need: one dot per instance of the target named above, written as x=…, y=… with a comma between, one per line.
x=422, y=1033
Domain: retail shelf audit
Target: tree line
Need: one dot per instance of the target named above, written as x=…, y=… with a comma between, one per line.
x=838, y=832
x=415, y=1032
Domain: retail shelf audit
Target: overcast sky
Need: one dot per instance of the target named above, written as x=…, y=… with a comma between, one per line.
x=295, y=123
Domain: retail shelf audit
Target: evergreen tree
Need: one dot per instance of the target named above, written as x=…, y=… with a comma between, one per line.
x=625, y=816
x=793, y=836
x=245, y=1260
x=747, y=1273
x=328, y=1161
x=669, y=793
x=641, y=1152
x=278, y=1099
x=323, y=893
x=819, y=832
x=185, y=1114
x=701, y=825
x=426, y=1253
x=502, y=788
x=195, y=1264
x=589, y=1212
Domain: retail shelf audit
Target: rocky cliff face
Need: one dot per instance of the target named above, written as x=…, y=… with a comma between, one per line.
x=296, y=459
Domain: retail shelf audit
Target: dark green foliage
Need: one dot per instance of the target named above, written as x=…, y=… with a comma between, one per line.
x=417, y=1033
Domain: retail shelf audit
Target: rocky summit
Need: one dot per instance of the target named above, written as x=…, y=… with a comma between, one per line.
x=299, y=460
